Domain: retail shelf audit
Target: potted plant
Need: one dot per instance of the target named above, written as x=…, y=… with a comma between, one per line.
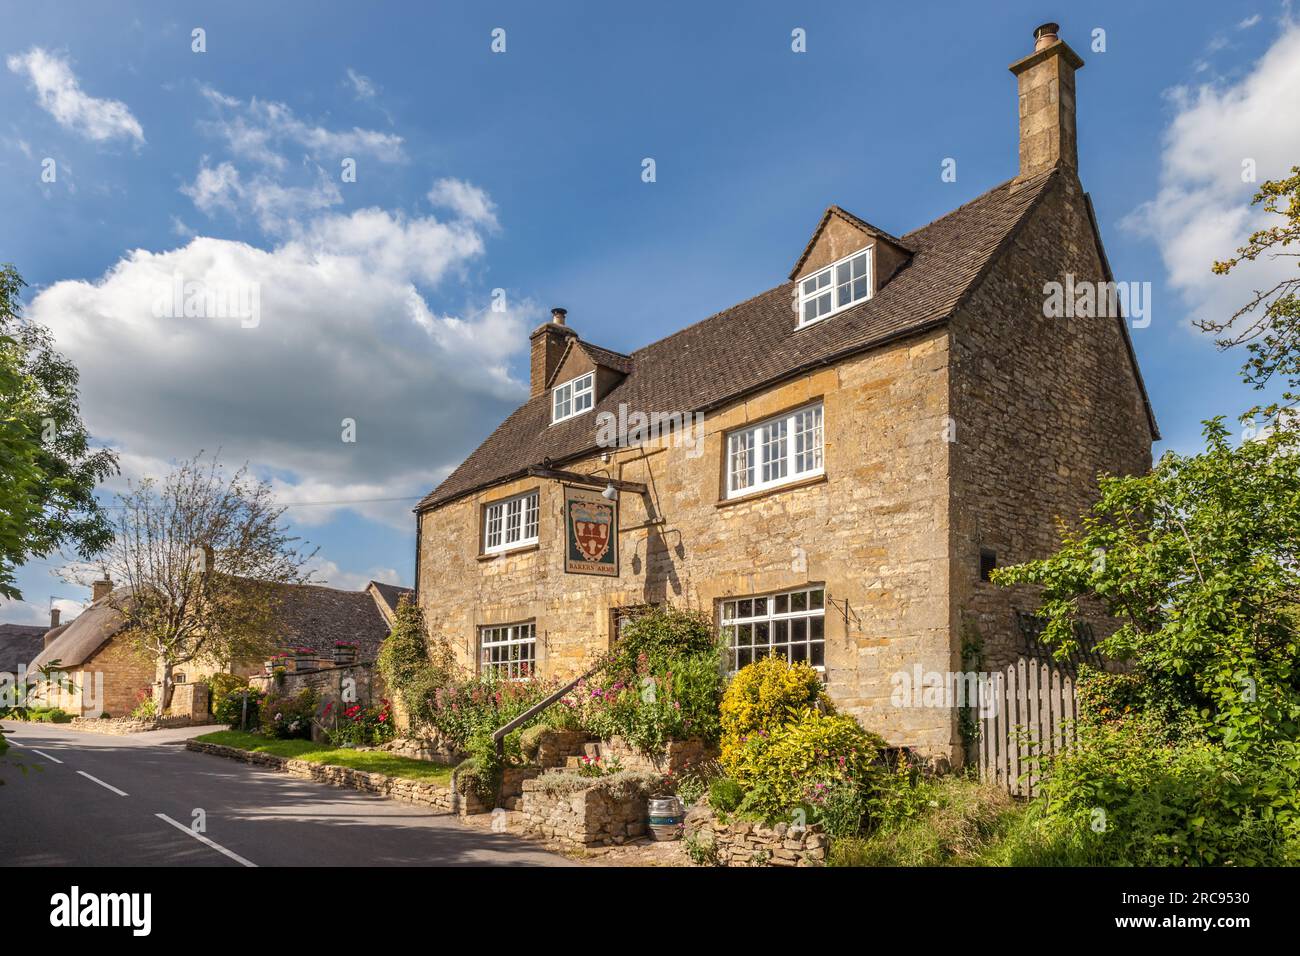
x=345, y=652
x=304, y=659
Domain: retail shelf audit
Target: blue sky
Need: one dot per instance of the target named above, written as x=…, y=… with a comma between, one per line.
x=521, y=171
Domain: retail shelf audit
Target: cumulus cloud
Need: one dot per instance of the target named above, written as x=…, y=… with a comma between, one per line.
x=1202, y=210
x=59, y=93
x=344, y=332
x=465, y=200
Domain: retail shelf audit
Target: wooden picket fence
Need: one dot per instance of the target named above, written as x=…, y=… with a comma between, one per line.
x=1025, y=712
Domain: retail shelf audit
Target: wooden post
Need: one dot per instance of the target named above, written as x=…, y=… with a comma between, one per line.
x=243, y=712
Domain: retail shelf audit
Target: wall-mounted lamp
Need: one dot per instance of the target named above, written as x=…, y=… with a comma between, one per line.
x=610, y=493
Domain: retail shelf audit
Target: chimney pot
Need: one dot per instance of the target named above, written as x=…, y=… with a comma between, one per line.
x=1046, y=35
x=558, y=314
x=54, y=618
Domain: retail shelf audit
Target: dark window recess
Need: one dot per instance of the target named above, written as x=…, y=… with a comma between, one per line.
x=988, y=561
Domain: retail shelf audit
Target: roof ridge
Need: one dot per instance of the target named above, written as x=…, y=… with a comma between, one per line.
x=974, y=199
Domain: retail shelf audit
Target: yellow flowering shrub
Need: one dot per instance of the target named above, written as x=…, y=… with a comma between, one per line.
x=765, y=696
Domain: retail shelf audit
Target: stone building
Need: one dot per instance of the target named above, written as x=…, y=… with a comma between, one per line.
x=108, y=674
x=876, y=433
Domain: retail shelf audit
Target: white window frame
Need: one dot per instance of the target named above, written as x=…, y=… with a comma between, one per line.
x=826, y=282
x=513, y=645
x=777, y=451
x=512, y=522
x=783, y=628
x=576, y=396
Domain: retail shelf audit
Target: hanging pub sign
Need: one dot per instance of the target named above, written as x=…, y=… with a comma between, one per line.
x=590, y=532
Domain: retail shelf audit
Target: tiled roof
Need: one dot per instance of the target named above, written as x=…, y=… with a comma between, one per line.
x=391, y=594
x=754, y=344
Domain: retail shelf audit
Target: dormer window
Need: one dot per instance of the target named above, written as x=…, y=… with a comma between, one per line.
x=573, y=397
x=836, y=287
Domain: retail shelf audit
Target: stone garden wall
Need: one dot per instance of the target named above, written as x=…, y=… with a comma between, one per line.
x=129, y=725
x=677, y=755
x=576, y=811
x=746, y=843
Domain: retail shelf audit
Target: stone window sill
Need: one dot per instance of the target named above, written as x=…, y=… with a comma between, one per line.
x=509, y=553
x=743, y=499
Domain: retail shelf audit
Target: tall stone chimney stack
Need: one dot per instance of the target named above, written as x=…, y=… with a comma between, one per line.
x=1046, y=88
x=548, y=341
x=101, y=588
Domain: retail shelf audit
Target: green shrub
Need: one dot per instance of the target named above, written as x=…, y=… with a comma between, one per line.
x=765, y=696
x=1124, y=796
x=662, y=682
x=413, y=665
x=146, y=707
x=229, y=709
x=221, y=685
x=288, y=716
x=725, y=795
x=779, y=768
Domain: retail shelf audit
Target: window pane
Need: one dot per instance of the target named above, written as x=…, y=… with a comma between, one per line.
x=761, y=634
x=746, y=608
x=774, y=461
x=817, y=655
x=816, y=597
x=799, y=601
x=782, y=603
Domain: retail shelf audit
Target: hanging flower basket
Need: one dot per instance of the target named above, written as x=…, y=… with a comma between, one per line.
x=345, y=653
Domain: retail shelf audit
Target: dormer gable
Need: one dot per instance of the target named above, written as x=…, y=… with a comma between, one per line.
x=584, y=369
x=846, y=261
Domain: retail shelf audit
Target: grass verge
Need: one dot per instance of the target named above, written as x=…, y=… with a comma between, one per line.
x=966, y=825
x=370, y=761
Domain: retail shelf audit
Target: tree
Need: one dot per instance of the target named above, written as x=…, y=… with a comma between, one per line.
x=1269, y=324
x=201, y=560
x=1199, y=561
x=47, y=464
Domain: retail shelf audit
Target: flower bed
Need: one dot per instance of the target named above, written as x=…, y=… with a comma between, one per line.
x=579, y=811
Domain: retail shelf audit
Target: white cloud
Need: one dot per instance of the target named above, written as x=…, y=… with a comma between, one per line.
x=363, y=87
x=464, y=199
x=1249, y=22
x=60, y=94
x=260, y=131
x=329, y=573
x=277, y=208
x=344, y=332
x=1202, y=210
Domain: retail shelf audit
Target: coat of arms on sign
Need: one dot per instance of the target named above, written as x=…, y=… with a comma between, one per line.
x=591, y=533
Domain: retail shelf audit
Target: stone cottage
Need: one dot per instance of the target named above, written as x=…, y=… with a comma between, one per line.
x=854, y=450
x=108, y=674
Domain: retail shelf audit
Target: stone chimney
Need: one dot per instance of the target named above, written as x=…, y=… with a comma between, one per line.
x=549, y=342
x=1046, y=81
x=101, y=588
x=54, y=618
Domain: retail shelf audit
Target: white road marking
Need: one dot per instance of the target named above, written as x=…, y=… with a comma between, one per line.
x=46, y=756
x=106, y=786
x=205, y=841
x=14, y=742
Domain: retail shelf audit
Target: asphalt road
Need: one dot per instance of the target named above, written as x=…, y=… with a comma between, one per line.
x=82, y=799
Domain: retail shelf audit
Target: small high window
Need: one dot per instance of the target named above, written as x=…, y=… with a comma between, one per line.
x=573, y=397
x=836, y=287
x=988, y=563
x=510, y=523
